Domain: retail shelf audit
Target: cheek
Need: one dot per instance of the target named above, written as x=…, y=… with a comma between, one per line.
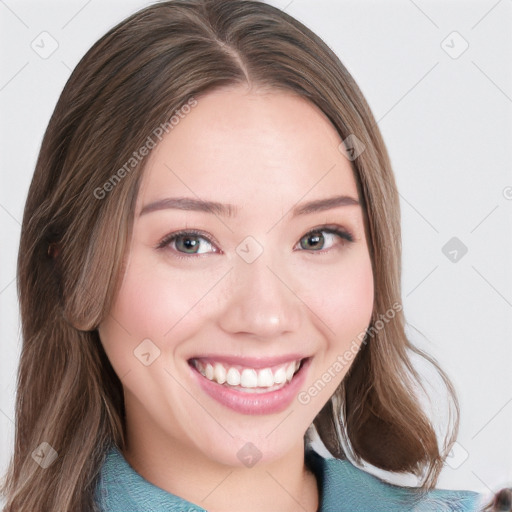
x=342, y=303
x=343, y=297
x=152, y=303
x=345, y=307
x=354, y=293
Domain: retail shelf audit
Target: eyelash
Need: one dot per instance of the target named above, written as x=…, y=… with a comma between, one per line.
x=167, y=240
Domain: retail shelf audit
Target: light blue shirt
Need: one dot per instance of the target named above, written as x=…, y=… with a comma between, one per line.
x=343, y=487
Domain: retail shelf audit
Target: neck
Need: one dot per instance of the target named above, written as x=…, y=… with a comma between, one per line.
x=284, y=484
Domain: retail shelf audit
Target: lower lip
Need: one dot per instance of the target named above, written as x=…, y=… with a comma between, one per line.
x=254, y=403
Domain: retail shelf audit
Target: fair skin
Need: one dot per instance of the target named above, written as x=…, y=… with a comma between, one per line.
x=265, y=153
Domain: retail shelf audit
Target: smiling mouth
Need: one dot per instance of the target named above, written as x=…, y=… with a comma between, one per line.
x=247, y=379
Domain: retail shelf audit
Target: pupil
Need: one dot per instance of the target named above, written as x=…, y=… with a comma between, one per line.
x=314, y=238
x=189, y=243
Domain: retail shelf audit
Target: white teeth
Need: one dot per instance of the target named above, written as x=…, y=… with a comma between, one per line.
x=280, y=376
x=248, y=377
x=200, y=368
x=233, y=377
x=219, y=373
x=290, y=370
x=265, y=378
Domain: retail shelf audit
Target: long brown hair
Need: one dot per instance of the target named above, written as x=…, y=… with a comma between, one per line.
x=73, y=242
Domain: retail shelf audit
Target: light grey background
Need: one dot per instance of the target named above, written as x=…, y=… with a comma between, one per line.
x=446, y=119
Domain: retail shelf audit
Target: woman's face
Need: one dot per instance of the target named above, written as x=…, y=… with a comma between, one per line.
x=249, y=295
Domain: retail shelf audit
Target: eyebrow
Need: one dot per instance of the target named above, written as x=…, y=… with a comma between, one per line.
x=229, y=210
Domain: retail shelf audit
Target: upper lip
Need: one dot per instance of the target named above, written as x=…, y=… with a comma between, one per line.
x=252, y=362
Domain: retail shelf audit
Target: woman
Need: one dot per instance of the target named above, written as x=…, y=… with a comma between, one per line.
x=154, y=377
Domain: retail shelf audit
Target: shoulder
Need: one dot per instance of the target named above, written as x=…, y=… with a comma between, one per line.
x=347, y=487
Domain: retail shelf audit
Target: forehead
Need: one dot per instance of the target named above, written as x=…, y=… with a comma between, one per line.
x=249, y=148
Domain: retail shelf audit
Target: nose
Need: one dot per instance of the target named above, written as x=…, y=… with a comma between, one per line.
x=262, y=300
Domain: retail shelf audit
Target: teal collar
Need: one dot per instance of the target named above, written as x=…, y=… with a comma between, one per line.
x=342, y=486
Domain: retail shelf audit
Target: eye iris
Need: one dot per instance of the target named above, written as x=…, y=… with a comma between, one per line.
x=189, y=242
x=315, y=238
